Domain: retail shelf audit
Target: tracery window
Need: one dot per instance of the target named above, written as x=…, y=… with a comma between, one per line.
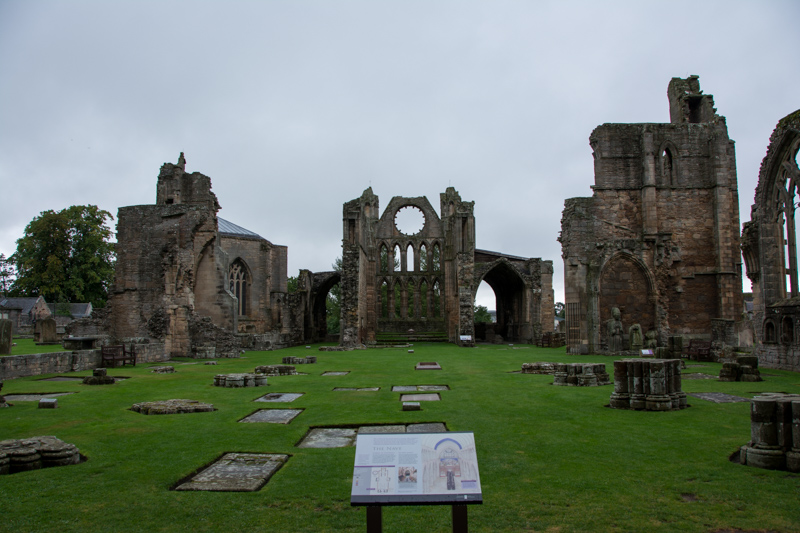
x=423, y=258
x=239, y=284
x=786, y=184
x=384, y=254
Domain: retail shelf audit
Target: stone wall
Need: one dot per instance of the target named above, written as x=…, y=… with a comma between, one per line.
x=17, y=366
x=659, y=237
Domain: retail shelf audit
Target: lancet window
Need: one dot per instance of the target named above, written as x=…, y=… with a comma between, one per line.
x=239, y=284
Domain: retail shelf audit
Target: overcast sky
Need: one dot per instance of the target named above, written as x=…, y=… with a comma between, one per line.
x=295, y=107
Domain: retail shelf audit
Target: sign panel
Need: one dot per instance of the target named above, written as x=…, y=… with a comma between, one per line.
x=465, y=337
x=415, y=468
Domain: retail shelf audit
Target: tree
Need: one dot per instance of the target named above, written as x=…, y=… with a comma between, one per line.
x=559, y=309
x=292, y=284
x=66, y=256
x=333, y=304
x=7, y=275
x=481, y=314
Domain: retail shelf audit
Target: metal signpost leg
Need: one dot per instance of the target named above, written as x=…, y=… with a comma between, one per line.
x=460, y=519
x=374, y=519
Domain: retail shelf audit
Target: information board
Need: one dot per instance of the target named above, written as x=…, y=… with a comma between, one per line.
x=415, y=468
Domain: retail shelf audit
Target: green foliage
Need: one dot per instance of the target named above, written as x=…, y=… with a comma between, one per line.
x=550, y=458
x=481, y=314
x=7, y=275
x=66, y=256
x=560, y=308
x=292, y=284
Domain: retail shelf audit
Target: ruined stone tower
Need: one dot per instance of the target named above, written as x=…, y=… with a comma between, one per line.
x=658, y=238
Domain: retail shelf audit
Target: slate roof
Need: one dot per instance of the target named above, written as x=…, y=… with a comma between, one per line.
x=231, y=229
x=23, y=304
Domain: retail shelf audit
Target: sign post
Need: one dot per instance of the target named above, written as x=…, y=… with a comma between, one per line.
x=416, y=469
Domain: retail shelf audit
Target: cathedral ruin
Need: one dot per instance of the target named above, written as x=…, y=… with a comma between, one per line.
x=769, y=245
x=659, y=237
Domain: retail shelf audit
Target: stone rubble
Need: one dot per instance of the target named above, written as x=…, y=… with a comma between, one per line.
x=648, y=384
x=240, y=380
x=22, y=455
x=580, y=374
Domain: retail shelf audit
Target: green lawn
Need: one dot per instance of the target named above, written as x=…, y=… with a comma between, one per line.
x=28, y=346
x=551, y=458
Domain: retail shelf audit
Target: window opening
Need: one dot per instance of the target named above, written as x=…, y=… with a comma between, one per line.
x=410, y=258
x=436, y=297
x=423, y=299
x=384, y=254
x=423, y=258
x=237, y=276
x=436, y=259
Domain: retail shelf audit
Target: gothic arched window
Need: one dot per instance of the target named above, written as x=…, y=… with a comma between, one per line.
x=239, y=284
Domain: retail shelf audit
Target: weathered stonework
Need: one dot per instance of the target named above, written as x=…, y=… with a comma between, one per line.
x=775, y=433
x=769, y=246
x=658, y=239
x=580, y=375
x=425, y=282
x=648, y=384
x=34, y=453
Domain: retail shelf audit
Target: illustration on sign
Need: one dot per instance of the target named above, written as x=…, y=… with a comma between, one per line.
x=416, y=468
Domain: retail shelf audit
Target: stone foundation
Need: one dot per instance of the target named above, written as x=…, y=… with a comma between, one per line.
x=744, y=369
x=291, y=360
x=99, y=377
x=580, y=374
x=539, y=368
x=240, y=380
x=276, y=370
x=22, y=455
x=648, y=384
x=775, y=433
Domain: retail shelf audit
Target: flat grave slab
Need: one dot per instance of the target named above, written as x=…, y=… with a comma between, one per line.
x=430, y=397
x=361, y=389
x=33, y=397
x=329, y=438
x=343, y=437
x=336, y=373
x=415, y=388
x=718, y=397
x=698, y=375
x=236, y=472
x=428, y=366
x=284, y=397
x=428, y=427
x=411, y=406
x=399, y=428
x=61, y=378
x=273, y=416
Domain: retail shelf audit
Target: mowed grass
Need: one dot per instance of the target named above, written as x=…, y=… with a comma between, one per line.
x=550, y=458
x=29, y=346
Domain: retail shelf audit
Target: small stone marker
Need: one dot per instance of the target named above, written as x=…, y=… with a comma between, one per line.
x=411, y=406
x=335, y=373
x=411, y=351
x=236, y=472
x=48, y=403
x=5, y=336
x=428, y=366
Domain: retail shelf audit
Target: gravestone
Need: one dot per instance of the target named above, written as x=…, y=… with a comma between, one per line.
x=236, y=472
x=46, y=331
x=5, y=337
x=172, y=407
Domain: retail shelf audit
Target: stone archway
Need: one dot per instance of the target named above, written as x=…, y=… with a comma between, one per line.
x=513, y=320
x=322, y=285
x=624, y=284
